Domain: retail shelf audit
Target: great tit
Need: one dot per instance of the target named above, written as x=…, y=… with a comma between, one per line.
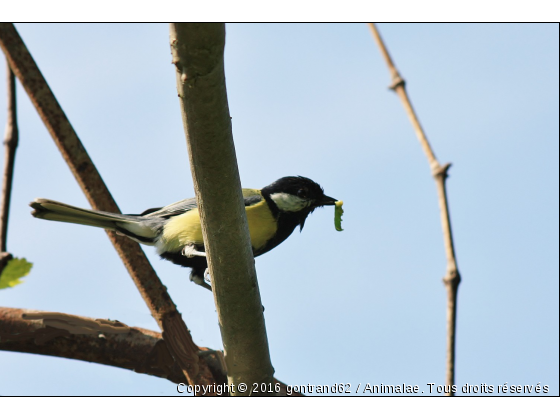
x=272, y=214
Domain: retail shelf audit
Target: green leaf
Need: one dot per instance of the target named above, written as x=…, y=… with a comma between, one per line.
x=14, y=271
x=338, y=212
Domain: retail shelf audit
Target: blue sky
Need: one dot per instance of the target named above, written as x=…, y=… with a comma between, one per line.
x=366, y=305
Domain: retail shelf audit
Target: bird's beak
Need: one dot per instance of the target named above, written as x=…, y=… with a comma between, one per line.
x=327, y=201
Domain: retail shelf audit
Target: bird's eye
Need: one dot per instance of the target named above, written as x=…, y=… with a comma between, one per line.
x=302, y=193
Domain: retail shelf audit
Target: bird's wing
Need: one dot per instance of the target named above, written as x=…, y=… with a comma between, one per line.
x=172, y=209
x=250, y=197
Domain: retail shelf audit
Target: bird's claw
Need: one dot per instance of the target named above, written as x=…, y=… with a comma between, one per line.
x=190, y=251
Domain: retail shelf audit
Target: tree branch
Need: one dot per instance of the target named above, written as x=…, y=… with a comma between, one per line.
x=110, y=343
x=153, y=292
x=11, y=138
x=87, y=339
x=197, y=51
x=452, y=277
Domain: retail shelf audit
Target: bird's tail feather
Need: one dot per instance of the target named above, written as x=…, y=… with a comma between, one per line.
x=61, y=212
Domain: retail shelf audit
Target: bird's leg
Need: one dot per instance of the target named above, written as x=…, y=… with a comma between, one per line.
x=198, y=278
x=207, y=279
x=190, y=251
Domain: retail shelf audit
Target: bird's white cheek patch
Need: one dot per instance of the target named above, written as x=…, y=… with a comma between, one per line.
x=288, y=202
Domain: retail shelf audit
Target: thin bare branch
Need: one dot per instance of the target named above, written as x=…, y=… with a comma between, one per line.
x=153, y=292
x=110, y=343
x=197, y=51
x=452, y=277
x=11, y=139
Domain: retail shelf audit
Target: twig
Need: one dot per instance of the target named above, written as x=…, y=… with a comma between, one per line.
x=11, y=138
x=452, y=277
x=197, y=51
x=110, y=343
x=154, y=293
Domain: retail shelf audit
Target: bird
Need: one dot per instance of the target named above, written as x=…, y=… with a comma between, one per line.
x=273, y=213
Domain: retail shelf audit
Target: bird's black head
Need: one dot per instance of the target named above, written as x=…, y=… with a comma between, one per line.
x=298, y=196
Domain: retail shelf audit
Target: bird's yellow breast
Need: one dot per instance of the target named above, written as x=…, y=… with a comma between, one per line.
x=262, y=224
x=185, y=229
x=180, y=231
